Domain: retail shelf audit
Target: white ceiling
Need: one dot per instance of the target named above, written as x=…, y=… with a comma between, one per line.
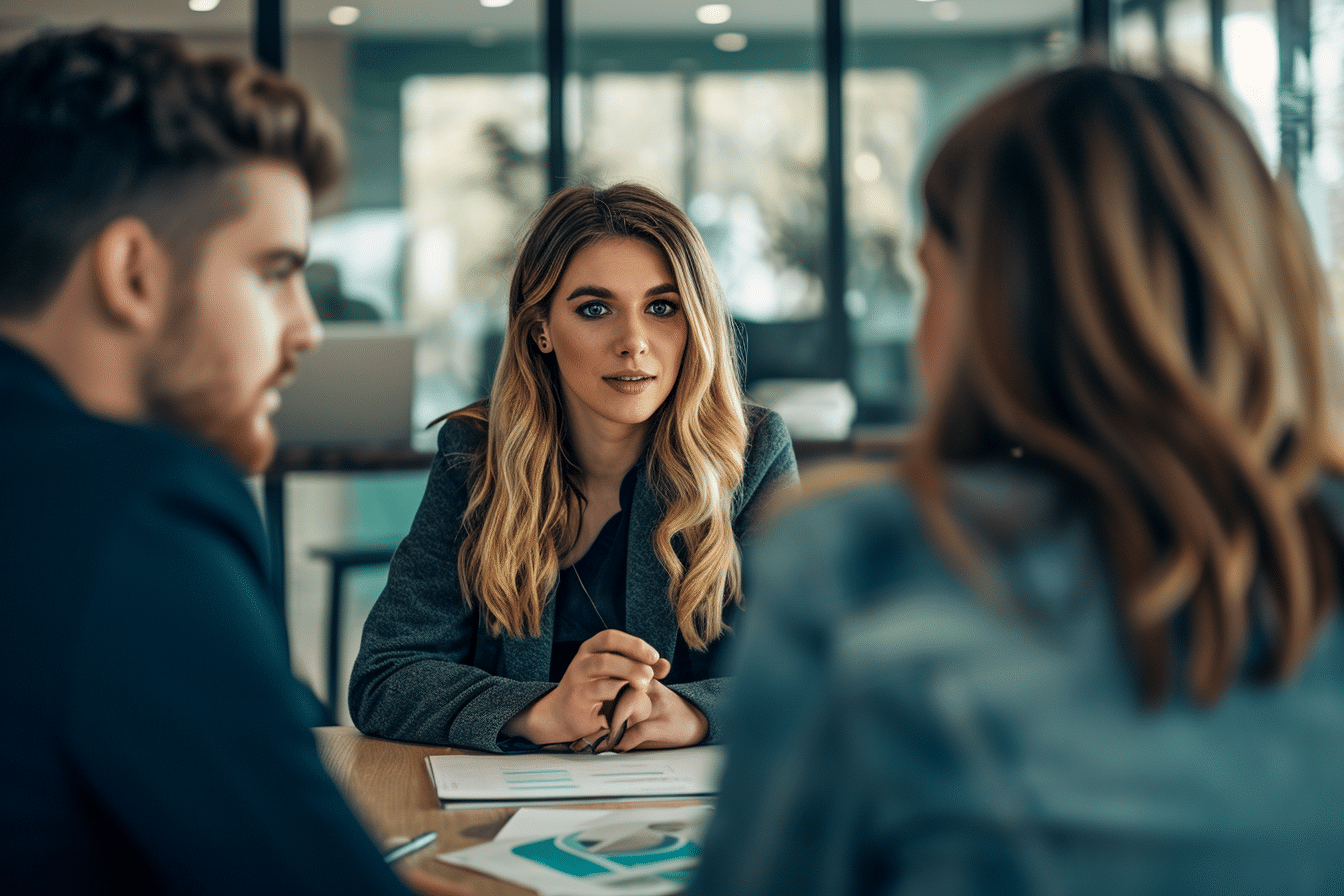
x=521, y=16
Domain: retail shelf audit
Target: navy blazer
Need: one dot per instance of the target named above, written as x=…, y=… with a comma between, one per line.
x=153, y=739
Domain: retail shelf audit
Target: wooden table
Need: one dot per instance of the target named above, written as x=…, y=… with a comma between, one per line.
x=387, y=784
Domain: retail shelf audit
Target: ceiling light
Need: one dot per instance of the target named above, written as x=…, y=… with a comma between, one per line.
x=868, y=167
x=343, y=15
x=946, y=10
x=730, y=41
x=495, y=4
x=202, y=5
x=714, y=13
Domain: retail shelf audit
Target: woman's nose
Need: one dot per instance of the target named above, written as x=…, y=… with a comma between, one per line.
x=633, y=340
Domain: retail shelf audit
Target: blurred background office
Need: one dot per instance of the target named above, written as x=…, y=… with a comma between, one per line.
x=791, y=131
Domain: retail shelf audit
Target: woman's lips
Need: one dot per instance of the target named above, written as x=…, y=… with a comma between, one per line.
x=630, y=384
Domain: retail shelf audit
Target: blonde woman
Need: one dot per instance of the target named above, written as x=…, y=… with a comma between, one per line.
x=573, y=568
x=1085, y=637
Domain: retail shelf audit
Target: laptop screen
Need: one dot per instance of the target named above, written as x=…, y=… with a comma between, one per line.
x=356, y=388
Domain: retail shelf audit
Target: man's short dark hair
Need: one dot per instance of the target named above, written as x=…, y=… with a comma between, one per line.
x=108, y=123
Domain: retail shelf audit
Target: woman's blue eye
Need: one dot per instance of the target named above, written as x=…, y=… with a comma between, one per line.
x=592, y=309
x=663, y=308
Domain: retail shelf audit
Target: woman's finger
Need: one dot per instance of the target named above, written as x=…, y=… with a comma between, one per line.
x=623, y=643
x=600, y=693
x=612, y=665
x=631, y=708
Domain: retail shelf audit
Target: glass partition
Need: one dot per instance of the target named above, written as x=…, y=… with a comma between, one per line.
x=719, y=107
x=911, y=70
x=1251, y=42
x=445, y=113
x=1166, y=34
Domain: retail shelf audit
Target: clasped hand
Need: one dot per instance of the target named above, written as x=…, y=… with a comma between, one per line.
x=611, y=698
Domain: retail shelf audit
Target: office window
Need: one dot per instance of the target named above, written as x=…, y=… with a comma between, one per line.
x=473, y=153
x=1321, y=179
x=445, y=112
x=1166, y=35
x=911, y=71
x=1251, y=45
x=725, y=117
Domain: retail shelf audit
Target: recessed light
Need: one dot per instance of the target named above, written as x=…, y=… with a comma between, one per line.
x=495, y=4
x=730, y=41
x=343, y=15
x=946, y=10
x=868, y=167
x=202, y=5
x=714, y=13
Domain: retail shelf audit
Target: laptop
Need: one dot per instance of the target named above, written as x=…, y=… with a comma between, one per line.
x=357, y=388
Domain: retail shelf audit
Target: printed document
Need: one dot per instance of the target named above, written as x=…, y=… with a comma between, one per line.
x=631, y=852
x=517, y=778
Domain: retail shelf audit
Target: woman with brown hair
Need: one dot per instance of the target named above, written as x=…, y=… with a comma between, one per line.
x=572, y=571
x=1084, y=637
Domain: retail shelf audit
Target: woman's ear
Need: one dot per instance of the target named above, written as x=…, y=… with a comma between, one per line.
x=543, y=338
x=133, y=275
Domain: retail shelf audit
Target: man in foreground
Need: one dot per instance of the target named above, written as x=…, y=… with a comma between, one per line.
x=154, y=216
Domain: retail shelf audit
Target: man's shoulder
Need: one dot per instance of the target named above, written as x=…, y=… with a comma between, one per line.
x=81, y=473
x=104, y=517
x=76, y=444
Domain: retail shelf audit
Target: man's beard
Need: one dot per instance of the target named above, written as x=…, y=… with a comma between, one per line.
x=246, y=435
x=197, y=414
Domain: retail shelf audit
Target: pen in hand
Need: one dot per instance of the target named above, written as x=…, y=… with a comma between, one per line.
x=410, y=846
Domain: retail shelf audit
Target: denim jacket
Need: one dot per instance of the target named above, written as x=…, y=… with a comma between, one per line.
x=891, y=733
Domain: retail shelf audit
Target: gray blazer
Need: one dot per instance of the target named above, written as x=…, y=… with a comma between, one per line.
x=429, y=671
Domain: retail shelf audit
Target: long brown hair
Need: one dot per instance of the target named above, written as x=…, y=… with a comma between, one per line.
x=1142, y=313
x=525, y=502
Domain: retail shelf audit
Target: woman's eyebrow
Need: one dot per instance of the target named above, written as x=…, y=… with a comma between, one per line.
x=601, y=292
x=597, y=292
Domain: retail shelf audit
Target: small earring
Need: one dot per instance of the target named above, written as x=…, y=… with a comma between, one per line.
x=543, y=343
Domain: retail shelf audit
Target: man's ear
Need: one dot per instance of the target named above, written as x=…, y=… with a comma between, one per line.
x=134, y=275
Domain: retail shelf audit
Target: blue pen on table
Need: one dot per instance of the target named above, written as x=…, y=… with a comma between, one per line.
x=410, y=846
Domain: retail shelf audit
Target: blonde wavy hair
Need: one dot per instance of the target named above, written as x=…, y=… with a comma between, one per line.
x=525, y=502
x=1142, y=312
